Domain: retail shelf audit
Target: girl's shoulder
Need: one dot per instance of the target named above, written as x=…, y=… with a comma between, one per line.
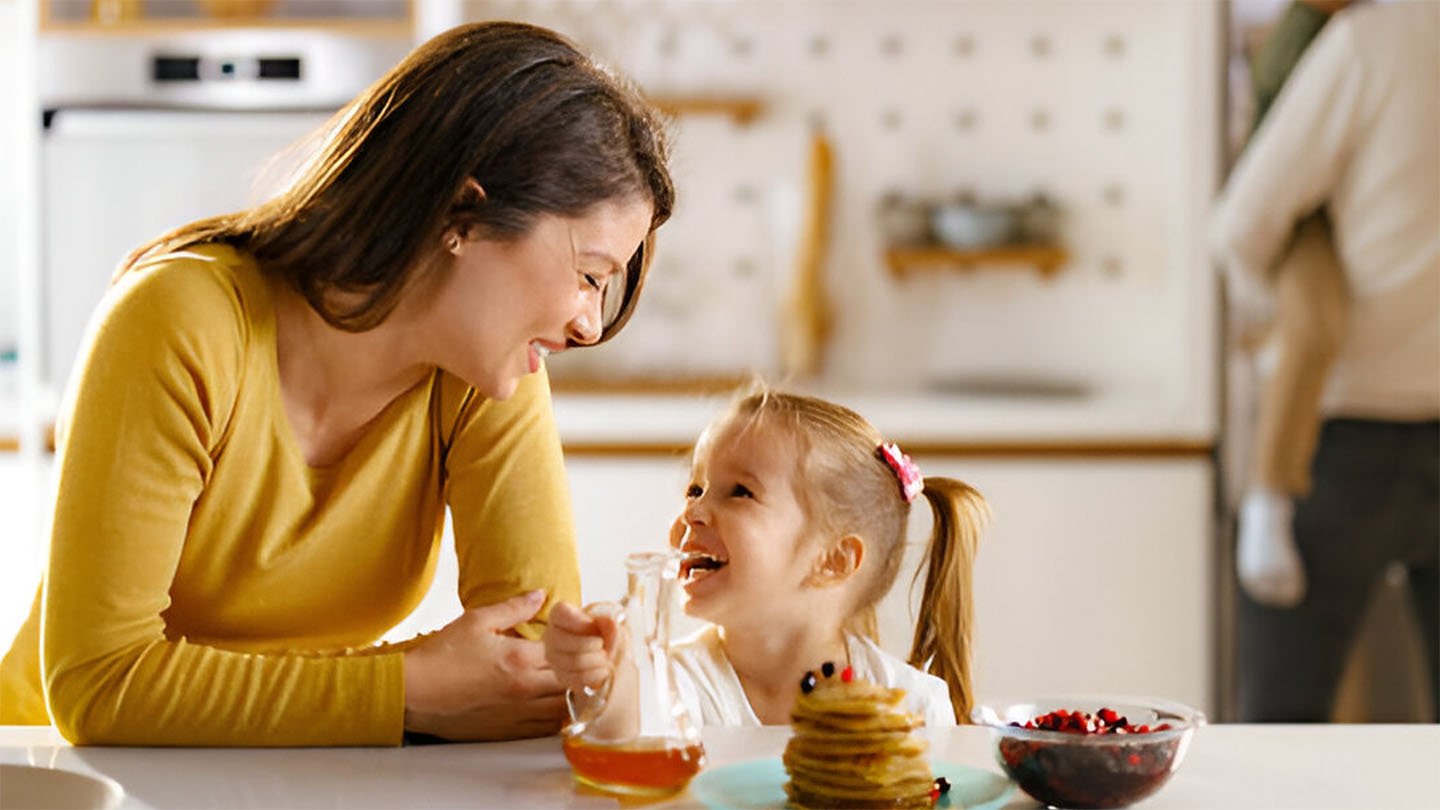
x=926, y=694
x=703, y=643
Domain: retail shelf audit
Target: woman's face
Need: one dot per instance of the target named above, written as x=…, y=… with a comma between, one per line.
x=502, y=306
x=743, y=511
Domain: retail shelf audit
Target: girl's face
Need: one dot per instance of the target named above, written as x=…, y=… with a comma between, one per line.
x=502, y=306
x=743, y=511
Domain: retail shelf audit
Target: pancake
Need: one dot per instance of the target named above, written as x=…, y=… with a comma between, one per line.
x=854, y=746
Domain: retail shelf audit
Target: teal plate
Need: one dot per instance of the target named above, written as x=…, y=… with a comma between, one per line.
x=760, y=785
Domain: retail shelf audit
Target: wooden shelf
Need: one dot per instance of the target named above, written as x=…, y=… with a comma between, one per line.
x=741, y=109
x=1047, y=259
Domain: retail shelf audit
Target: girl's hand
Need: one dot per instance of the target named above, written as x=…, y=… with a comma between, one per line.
x=475, y=680
x=578, y=646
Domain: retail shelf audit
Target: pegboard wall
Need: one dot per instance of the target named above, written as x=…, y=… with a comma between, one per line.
x=1108, y=107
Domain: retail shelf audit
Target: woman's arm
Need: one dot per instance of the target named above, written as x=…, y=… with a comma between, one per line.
x=509, y=502
x=510, y=506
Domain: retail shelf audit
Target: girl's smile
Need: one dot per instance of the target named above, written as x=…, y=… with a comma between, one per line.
x=744, y=526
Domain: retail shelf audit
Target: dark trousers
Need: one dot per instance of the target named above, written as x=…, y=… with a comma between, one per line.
x=1375, y=500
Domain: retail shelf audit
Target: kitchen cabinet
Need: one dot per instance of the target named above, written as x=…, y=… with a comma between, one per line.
x=1094, y=576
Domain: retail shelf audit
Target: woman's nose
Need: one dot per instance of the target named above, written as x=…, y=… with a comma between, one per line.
x=585, y=327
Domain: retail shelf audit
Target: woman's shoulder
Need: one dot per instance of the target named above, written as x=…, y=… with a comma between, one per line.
x=458, y=407
x=197, y=285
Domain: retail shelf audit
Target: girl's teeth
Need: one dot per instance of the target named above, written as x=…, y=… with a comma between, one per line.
x=540, y=350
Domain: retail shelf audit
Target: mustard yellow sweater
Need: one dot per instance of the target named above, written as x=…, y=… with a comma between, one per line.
x=205, y=585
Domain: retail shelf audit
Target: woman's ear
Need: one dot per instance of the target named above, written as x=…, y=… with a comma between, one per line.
x=838, y=562
x=470, y=197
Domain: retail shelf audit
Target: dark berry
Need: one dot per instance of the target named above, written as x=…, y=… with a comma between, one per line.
x=942, y=784
x=847, y=674
x=807, y=683
x=827, y=669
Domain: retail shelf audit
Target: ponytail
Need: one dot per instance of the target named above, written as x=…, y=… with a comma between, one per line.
x=947, y=606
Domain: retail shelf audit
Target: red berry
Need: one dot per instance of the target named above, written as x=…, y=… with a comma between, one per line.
x=1134, y=759
x=847, y=674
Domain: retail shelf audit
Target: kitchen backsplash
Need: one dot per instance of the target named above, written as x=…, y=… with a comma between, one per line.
x=1107, y=108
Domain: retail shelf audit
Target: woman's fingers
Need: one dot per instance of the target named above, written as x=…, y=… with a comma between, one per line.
x=502, y=616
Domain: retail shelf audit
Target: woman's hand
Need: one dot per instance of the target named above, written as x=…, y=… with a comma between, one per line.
x=578, y=646
x=475, y=680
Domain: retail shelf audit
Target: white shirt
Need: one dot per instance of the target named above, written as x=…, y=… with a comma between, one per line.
x=711, y=690
x=1357, y=129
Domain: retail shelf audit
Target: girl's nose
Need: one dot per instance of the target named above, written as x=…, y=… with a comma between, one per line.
x=695, y=513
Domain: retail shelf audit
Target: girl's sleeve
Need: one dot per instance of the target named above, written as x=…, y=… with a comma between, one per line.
x=510, y=501
x=148, y=406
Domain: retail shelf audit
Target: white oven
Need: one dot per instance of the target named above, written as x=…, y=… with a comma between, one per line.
x=145, y=134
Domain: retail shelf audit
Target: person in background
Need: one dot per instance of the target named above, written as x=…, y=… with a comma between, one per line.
x=1310, y=304
x=1355, y=131
x=794, y=527
x=274, y=409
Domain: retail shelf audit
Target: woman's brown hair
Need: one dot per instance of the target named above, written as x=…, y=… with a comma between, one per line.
x=847, y=484
x=519, y=109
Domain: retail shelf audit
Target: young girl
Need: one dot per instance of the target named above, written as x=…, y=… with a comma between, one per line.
x=794, y=526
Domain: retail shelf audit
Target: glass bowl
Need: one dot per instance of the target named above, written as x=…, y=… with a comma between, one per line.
x=1074, y=769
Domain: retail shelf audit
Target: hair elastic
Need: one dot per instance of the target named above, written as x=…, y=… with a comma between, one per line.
x=912, y=483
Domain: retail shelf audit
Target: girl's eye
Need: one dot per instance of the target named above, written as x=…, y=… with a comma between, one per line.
x=694, y=491
x=591, y=280
x=741, y=491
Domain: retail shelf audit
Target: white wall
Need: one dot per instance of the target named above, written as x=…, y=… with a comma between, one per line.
x=1108, y=107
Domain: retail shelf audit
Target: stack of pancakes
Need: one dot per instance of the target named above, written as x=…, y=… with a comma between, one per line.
x=853, y=747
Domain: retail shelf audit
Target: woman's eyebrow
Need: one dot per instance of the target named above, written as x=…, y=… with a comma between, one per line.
x=616, y=266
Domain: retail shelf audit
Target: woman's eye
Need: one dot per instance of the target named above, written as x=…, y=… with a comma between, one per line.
x=591, y=280
x=741, y=491
x=694, y=491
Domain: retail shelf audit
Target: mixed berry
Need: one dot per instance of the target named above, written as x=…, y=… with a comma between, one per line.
x=807, y=683
x=1110, y=763
x=1105, y=721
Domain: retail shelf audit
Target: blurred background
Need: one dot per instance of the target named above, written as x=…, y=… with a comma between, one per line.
x=981, y=223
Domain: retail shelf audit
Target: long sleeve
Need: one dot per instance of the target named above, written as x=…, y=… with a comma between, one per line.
x=1294, y=160
x=1277, y=57
x=150, y=408
x=510, y=501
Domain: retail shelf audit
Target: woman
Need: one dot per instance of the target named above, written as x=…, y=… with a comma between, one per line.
x=275, y=407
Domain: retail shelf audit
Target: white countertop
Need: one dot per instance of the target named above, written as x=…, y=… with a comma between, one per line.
x=1228, y=766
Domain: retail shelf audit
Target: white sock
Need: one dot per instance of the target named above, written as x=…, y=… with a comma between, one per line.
x=1268, y=564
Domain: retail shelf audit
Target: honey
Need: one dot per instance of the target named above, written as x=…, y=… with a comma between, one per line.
x=646, y=767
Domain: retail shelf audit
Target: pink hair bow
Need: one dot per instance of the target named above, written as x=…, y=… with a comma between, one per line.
x=911, y=482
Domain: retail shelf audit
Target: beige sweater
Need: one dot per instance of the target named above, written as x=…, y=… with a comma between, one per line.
x=1357, y=130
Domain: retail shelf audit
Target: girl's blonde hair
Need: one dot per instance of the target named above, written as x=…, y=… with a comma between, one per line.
x=850, y=487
